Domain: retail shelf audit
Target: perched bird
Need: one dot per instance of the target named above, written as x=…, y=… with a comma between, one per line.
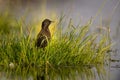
x=44, y=35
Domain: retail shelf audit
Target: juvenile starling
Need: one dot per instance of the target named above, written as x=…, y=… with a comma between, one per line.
x=44, y=35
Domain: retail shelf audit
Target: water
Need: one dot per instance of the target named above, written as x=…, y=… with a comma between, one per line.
x=80, y=11
x=60, y=73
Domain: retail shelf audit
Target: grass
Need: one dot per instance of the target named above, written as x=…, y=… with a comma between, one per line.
x=70, y=46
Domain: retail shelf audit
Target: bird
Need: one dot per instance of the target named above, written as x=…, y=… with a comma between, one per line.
x=44, y=36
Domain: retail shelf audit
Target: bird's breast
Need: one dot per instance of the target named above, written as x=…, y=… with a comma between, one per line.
x=46, y=33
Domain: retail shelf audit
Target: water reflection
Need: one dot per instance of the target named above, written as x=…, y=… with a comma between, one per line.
x=97, y=72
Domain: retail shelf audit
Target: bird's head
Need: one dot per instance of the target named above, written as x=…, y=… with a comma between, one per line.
x=46, y=23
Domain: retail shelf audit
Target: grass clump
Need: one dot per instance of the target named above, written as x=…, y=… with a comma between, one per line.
x=70, y=46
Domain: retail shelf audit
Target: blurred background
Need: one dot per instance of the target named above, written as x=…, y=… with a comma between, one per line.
x=105, y=13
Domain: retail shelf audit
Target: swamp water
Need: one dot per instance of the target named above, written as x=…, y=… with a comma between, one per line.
x=110, y=71
x=61, y=73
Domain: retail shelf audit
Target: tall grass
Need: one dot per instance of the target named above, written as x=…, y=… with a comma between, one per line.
x=71, y=46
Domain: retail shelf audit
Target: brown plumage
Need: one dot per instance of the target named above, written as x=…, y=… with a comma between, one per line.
x=44, y=35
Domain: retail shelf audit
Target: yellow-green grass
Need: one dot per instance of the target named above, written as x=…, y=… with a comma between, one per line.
x=70, y=46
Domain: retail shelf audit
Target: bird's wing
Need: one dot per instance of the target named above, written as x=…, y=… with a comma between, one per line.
x=41, y=40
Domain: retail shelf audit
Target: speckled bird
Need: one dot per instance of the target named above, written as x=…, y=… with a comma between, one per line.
x=44, y=35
